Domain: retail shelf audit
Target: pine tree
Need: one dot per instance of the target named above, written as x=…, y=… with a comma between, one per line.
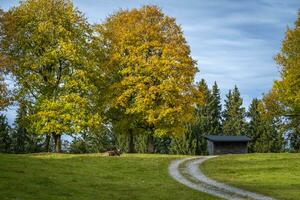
x=269, y=138
x=265, y=127
x=192, y=141
x=24, y=141
x=203, y=118
x=184, y=144
x=215, y=109
x=255, y=125
x=294, y=133
x=20, y=134
x=5, y=139
x=207, y=121
x=234, y=114
x=273, y=125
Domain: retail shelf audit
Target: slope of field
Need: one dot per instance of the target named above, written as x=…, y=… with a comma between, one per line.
x=65, y=176
x=276, y=175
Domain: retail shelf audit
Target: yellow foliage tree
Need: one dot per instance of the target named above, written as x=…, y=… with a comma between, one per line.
x=4, y=99
x=151, y=69
x=48, y=42
x=288, y=88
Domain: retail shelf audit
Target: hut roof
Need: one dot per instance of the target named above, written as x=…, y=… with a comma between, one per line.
x=227, y=138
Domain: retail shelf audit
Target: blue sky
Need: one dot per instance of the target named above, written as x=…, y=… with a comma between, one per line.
x=234, y=41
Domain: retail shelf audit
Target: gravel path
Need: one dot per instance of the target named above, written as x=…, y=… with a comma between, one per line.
x=187, y=172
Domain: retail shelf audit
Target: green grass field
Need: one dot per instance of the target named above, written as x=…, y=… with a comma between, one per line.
x=276, y=175
x=65, y=176
x=140, y=177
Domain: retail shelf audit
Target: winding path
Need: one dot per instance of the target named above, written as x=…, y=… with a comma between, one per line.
x=187, y=172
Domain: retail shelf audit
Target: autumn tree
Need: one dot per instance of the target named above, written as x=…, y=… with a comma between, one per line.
x=48, y=42
x=4, y=95
x=4, y=99
x=234, y=114
x=151, y=69
x=288, y=87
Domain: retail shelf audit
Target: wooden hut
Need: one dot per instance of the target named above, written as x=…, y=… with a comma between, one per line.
x=225, y=144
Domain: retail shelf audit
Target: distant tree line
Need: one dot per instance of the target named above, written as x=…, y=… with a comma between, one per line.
x=266, y=130
x=127, y=83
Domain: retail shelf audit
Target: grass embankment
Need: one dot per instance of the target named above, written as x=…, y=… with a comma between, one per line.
x=276, y=175
x=65, y=176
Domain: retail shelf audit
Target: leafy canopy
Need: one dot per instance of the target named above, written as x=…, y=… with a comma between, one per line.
x=151, y=68
x=4, y=94
x=48, y=41
x=288, y=88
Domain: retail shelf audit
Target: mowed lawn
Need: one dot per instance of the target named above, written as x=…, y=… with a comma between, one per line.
x=276, y=175
x=90, y=176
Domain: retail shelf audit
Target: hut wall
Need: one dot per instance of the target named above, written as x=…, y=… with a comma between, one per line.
x=229, y=148
x=210, y=147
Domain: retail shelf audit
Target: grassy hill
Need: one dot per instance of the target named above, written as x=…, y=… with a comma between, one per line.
x=276, y=175
x=140, y=177
x=65, y=176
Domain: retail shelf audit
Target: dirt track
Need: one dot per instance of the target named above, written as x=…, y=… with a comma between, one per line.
x=187, y=172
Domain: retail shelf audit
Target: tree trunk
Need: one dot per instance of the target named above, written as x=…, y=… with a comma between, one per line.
x=57, y=141
x=131, y=148
x=151, y=144
x=47, y=143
